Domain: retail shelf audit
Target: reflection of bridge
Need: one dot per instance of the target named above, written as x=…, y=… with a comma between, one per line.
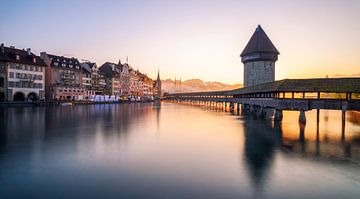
x=261, y=93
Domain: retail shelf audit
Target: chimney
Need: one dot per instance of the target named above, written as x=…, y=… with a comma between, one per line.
x=28, y=50
x=2, y=47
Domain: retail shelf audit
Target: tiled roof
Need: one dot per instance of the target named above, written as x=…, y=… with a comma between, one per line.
x=86, y=67
x=305, y=85
x=64, y=62
x=259, y=42
x=24, y=57
x=109, y=69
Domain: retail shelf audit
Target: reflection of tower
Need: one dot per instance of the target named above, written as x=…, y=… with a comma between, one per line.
x=157, y=106
x=259, y=57
x=259, y=151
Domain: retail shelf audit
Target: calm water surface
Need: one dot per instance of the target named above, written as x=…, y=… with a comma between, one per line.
x=175, y=151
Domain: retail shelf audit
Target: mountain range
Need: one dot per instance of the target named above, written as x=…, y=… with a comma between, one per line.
x=195, y=85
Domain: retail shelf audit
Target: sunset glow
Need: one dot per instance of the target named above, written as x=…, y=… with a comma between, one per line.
x=189, y=39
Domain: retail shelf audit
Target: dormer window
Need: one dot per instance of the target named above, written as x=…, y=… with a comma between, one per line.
x=17, y=57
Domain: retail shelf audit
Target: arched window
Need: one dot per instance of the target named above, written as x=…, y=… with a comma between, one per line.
x=19, y=96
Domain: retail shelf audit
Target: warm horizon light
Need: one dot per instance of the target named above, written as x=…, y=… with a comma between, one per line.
x=189, y=39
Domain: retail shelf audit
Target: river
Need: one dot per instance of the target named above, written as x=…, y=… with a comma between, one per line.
x=172, y=150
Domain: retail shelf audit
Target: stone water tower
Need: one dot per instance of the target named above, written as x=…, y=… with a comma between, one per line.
x=259, y=57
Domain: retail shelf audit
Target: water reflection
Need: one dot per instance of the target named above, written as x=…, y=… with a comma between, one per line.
x=259, y=151
x=176, y=151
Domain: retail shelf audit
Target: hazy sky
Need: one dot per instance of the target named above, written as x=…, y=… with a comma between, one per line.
x=191, y=39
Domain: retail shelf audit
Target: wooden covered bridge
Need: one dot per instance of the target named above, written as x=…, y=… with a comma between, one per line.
x=288, y=94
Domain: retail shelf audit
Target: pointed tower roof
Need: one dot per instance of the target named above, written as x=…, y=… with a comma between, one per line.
x=158, y=76
x=259, y=42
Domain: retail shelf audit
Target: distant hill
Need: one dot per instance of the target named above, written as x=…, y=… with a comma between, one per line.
x=195, y=85
x=351, y=75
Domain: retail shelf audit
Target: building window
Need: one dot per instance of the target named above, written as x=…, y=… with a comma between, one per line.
x=17, y=57
x=56, y=64
x=11, y=75
x=18, y=75
x=34, y=60
x=2, y=82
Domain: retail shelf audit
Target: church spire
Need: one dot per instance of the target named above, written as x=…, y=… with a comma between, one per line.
x=158, y=76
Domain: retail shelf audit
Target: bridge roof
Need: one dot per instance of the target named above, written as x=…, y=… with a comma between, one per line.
x=336, y=85
x=329, y=85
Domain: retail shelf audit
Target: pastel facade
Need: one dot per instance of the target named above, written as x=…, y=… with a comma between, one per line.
x=63, y=78
x=111, y=72
x=21, y=75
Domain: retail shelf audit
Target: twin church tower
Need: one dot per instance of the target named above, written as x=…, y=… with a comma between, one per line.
x=259, y=57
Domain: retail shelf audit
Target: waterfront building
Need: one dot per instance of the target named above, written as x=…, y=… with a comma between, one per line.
x=124, y=79
x=134, y=83
x=111, y=72
x=93, y=80
x=146, y=87
x=21, y=75
x=86, y=80
x=98, y=83
x=63, y=78
x=259, y=57
x=157, y=87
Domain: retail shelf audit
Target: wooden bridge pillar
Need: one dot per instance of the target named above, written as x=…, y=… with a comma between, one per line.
x=245, y=108
x=343, y=119
x=231, y=105
x=302, y=117
x=278, y=115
